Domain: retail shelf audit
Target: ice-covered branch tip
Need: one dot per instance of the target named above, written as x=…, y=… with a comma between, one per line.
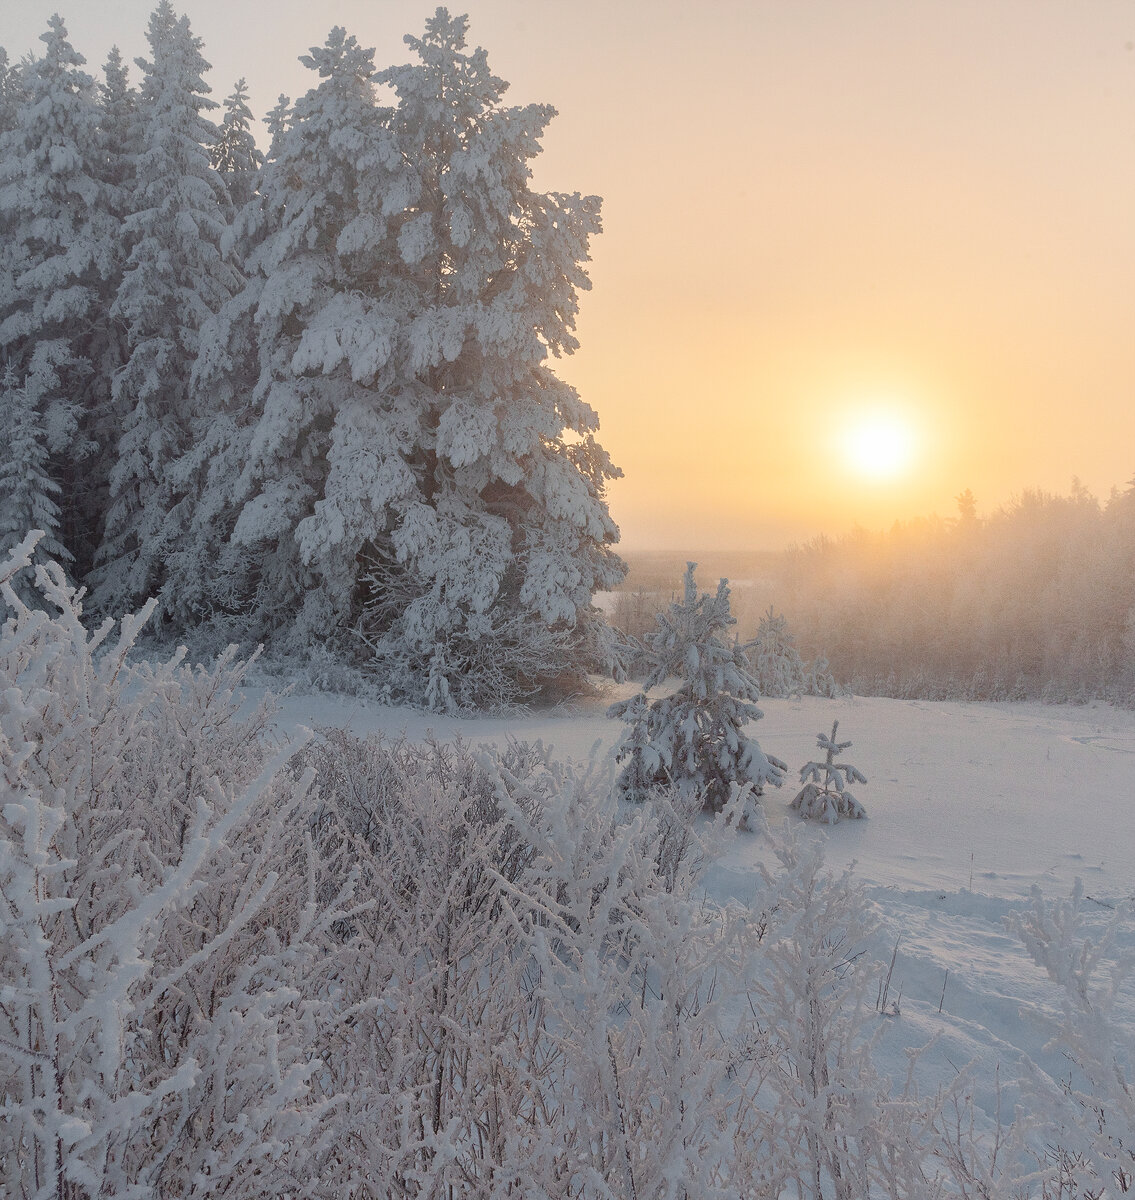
x=20, y=556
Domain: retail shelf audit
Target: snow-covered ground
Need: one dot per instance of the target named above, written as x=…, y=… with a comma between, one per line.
x=969, y=806
x=981, y=798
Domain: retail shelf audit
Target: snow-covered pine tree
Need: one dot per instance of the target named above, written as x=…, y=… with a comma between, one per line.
x=175, y=277
x=825, y=795
x=777, y=665
x=58, y=256
x=106, y=348
x=695, y=736
x=235, y=156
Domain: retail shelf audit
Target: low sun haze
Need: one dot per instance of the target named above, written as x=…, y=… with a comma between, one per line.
x=857, y=257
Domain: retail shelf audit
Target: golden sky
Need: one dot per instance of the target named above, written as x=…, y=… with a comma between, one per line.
x=816, y=211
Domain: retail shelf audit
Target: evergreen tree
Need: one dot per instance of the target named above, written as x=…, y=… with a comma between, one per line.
x=277, y=122
x=175, y=277
x=825, y=795
x=316, y=282
x=106, y=346
x=11, y=90
x=820, y=680
x=119, y=119
x=777, y=665
x=28, y=494
x=506, y=535
x=695, y=735
x=413, y=464
x=58, y=255
x=235, y=156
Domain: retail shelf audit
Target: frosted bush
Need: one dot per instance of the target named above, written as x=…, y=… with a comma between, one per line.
x=160, y=937
x=1088, y=1118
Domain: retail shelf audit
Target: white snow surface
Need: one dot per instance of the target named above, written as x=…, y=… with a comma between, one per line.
x=969, y=806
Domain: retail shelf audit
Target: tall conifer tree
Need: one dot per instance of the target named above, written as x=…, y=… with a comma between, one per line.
x=315, y=281
x=508, y=534
x=235, y=156
x=415, y=466
x=58, y=256
x=176, y=276
x=28, y=494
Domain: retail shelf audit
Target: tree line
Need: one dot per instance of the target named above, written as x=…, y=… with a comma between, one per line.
x=304, y=396
x=1034, y=601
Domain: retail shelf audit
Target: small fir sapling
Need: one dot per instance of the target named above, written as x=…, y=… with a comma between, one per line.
x=820, y=680
x=694, y=737
x=825, y=795
x=777, y=665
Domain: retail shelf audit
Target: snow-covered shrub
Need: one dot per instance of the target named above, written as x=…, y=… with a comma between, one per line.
x=694, y=736
x=515, y=912
x=1088, y=1118
x=160, y=940
x=830, y=1125
x=825, y=795
x=440, y=1062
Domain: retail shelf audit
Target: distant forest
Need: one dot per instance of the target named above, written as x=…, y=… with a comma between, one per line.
x=1034, y=601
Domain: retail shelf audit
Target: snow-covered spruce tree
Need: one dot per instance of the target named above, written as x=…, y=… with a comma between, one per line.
x=820, y=680
x=235, y=156
x=107, y=349
x=777, y=666
x=695, y=736
x=316, y=286
x=58, y=254
x=415, y=466
x=825, y=795
x=509, y=536
x=165, y=924
x=28, y=494
x=175, y=277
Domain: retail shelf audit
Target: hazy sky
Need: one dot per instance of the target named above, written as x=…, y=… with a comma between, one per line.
x=815, y=211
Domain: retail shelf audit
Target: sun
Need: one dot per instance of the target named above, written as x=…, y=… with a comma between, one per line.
x=879, y=445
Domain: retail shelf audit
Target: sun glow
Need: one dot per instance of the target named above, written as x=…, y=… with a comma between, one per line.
x=879, y=445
